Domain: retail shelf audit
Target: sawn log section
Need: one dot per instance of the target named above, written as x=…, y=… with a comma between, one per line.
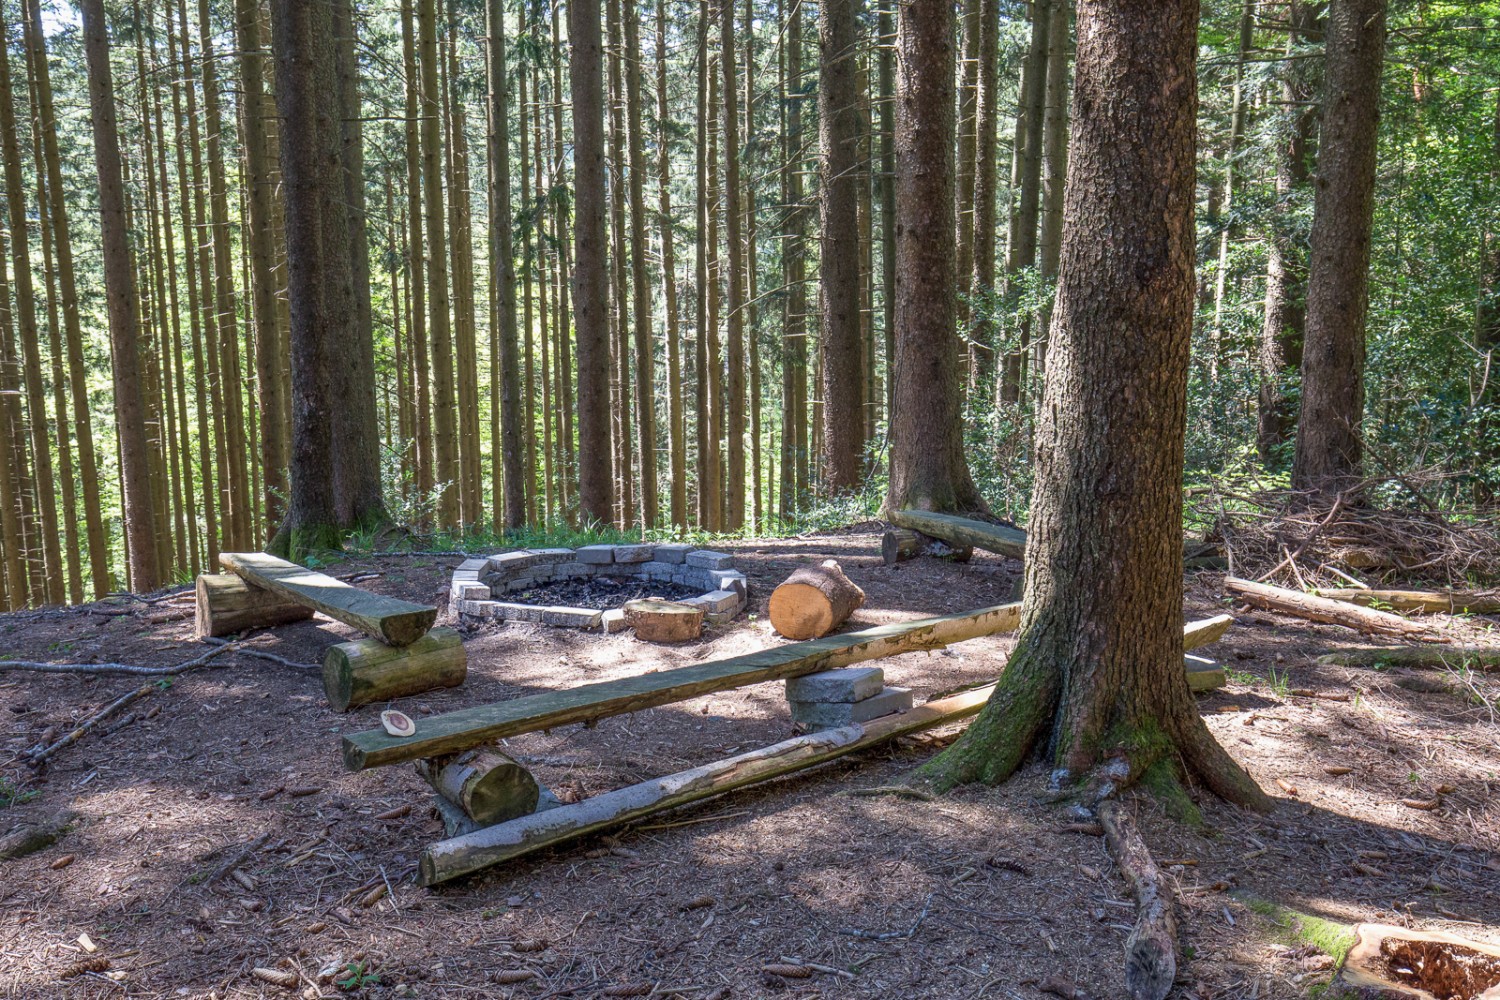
x=397, y=622
x=998, y=538
x=481, y=724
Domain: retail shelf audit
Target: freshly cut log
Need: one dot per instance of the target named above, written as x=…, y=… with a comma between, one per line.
x=471, y=727
x=900, y=544
x=1443, y=601
x=502, y=842
x=397, y=622
x=998, y=538
x=1442, y=657
x=1151, y=948
x=486, y=784
x=1321, y=609
x=814, y=601
x=227, y=604
x=655, y=620
x=357, y=673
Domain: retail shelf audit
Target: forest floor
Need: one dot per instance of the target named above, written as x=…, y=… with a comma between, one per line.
x=976, y=894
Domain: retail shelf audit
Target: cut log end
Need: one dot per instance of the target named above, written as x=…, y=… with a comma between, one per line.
x=655, y=620
x=226, y=605
x=813, y=601
x=900, y=544
x=488, y=786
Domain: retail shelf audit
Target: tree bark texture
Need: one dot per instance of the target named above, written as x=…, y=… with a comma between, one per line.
x=1328, y=453
x=928, y=469
x=1092, y=673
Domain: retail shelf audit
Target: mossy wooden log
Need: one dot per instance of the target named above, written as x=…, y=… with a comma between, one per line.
x=656, y=620
x=1321, y=609
x=30, y=838
x=1482, y=658
x=367, y=670
x=1151, y=948
x=814, y=601
x=997, y=538
x=396, y=622
x=1431, y=601
x=900, y=544
x=471, y=727
x=503, y=842
x=227, y=604
x=486, y=784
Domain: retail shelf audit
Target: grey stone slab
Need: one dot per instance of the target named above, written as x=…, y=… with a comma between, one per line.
x=474, y=565
x=472, y=592
x=479, y=609
x=552, y=555
x=831, y=715
x=465, y=575
x=729, y=579
x=595, y=554
x=518, y=612
x=571, y=617
x=844, y=686
x=706, y=559
x=511, y=562
x=634, y=553
x=613, y=620
x=572, y=570
x=657, y=566
x=510, y=585
x=719, y=600
x=673, y=552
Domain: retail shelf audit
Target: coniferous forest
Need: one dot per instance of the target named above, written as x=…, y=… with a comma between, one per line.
x=732, y=365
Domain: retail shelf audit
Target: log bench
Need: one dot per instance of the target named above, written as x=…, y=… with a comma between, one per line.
x=404, y=655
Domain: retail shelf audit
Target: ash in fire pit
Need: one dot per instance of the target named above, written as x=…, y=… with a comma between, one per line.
x=584, y=588
x=602, y=593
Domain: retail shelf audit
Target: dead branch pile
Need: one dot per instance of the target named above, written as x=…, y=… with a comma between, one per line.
x=1304, y=541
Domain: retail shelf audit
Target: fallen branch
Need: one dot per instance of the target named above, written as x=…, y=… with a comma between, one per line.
x=1439, y=601
x=41, y=756
x=890, y=935
x=119, y=668
x=1321, y=609
x=1151, y=949
x=30, y=839
x=1449, y=657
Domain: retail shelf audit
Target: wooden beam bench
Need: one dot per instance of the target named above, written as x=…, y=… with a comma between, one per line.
x=394, y=622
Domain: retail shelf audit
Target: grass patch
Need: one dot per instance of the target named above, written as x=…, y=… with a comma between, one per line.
x=1298, y=928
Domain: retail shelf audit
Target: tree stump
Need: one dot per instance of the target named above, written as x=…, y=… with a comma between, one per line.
x=814, y=601
x=656, y=620
x=486, y=784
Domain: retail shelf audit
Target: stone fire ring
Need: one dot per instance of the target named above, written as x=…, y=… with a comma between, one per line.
x=480, y=584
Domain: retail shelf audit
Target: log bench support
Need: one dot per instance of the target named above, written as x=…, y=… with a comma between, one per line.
x=394, y=622
x=226, y=605
x=367, y=670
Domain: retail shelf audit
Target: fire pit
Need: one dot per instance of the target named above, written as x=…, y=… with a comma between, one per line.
x=532, y=585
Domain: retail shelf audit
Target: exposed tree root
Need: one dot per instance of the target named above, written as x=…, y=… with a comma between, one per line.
x=1151, y=949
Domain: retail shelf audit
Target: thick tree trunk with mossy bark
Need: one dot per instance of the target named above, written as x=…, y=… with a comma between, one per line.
x=928, y=469
x=1097, y=671
x=320, y=279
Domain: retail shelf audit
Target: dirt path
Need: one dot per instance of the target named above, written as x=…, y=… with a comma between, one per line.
x=974, y=895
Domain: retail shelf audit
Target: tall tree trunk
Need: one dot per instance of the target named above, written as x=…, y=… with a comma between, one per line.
x=1231, y=181
x=620, y=294
x=966, y=232
x=1026, y=208
x=321, y=272
x=928, y=470
x=676, y=422
x=268, y=346
x=590, y=301
x=734, y=303
x=794, y=459
x=645, y=365
x=67, y=288
x=839, y=346
x=120, y=295
x=1055, y=167
x=980, y=333
x=1328, y=453
x=41, y=447
x=357, y=464
x=885, y=62
x=712, y=360
x=427, y=471
x=445, y=435
x=504, y=338
x=1095, y=673
x=701, y=275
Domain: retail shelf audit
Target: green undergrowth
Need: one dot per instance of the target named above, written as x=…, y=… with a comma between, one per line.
x=1295, y=928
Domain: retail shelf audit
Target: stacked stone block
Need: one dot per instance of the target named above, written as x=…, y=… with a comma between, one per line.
x=843, y=697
